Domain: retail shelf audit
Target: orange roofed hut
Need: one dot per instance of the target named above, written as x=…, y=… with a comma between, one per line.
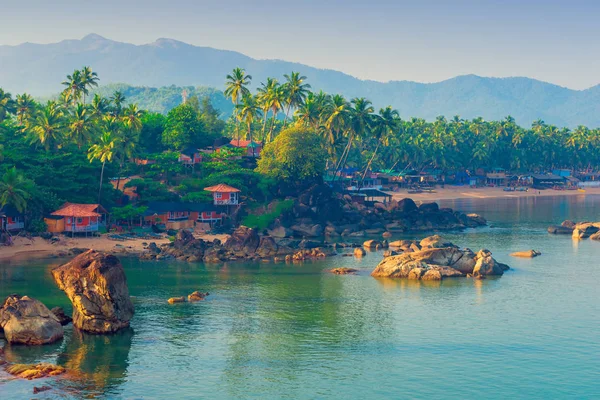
x=76, y=218
x=224, y=195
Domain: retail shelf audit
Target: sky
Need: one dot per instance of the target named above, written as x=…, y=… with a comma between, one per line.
x=382, y=40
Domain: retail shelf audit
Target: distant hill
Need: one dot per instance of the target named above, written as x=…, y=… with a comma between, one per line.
x=39, y=69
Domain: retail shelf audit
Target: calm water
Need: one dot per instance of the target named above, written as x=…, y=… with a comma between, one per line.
x=293, y=332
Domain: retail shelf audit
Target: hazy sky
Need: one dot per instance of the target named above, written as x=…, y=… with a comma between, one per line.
x=420, y=40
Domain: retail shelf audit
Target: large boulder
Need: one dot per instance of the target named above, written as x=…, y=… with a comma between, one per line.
x=96, y=285
x=372, y=244
x=406, y=206
x=308, y=230
x=243, y=241
x=28, y=321
x=267, y=247
x=429, y=207
x=448, y=261
x=585, y=230
x=595, y=236
x=280, y=232
x=434, y=242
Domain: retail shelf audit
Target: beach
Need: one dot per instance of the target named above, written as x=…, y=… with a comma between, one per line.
x=37, y=248
x=465, y=192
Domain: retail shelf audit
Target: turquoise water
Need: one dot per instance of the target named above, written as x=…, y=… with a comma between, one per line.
x=294, y=332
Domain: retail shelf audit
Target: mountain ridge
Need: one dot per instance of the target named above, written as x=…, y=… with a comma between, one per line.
x=39, y=69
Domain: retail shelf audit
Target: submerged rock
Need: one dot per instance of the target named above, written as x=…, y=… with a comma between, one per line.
x=28, y=321
x=174, y=300
x=560, y=230
x=343, y=271
x=526, y=254
x=35, y=371
x=359, y=252
x=197, y=296
x=96, y=285
x=63, y=318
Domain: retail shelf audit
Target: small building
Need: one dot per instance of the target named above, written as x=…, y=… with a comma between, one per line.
x=190, y=157
x=253, y=149
x=547, y=181
x=11, y=219
x=369, y=196
x=174, y=215
x=76, y=218
x=224, y=195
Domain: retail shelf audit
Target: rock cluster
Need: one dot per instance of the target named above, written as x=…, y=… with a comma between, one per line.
x=343, y=271
x=580, y=230
x=35, y=371
x=243, y=244
x=192, y=297
x=96, y=285
x=436, y=260
x=28, y=321
x=319, y=211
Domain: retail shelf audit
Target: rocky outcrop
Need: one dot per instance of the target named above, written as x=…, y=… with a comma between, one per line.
x=526, y=254
x=560, y=230
x=439, y=263
x=35, y=371
x=28, y=321
x=585, y=230
x=595, y=236
x=96, y=285
x=243, y=241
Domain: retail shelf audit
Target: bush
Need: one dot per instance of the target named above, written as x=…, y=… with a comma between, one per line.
x=263, y=221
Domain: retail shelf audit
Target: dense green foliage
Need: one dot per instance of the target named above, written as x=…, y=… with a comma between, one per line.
x=263, y=219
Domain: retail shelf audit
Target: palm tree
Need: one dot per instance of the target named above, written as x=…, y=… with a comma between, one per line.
x=89, y=80
x=7, y=105
x=99, y=107
x=125, y=148
x=102, y=151
x=15, y=190
x=132, y=117
x=118, y=100
x=48, y=126
x=236, y=87
x=248, y=111
x=80, y=125
x=383, y=125
x=74, y=87
x=264, y=99
x=276, y=101
x=309, y=112
x=295, y=92
x=25, y=108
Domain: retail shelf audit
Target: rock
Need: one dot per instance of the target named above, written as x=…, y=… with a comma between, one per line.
x=432, y=275
x=197, y=296
x=406, y=206
x=372, y=244
x=387, y=235
x=307, y=230
x=526, y=254
x=77, y=250
x=309, y=244
x=182, y=238
x=96, y=285
x=174, y=300
x=63, y=318
x=359, y=252
x=267, y=247
x=389, y=253
x=355, y=234
x=343, y=271
x=429, y=207
x=486, y=265
x=400, y=243
x=40, y=389
x=243, y=241
x=584, y=230
x=448, y=261
x=385, y=244
x=434, y=242
x=560, y=230
x=568, y=224
x=280, y=232
x=153, y=248
x=595, y=236
x=35, y=371
x=28, y=321
x=374, y=231
x=476, y=219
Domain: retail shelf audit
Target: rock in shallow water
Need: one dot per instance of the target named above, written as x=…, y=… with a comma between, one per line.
x=96, y=285
x=526, y=254
x=28, y=321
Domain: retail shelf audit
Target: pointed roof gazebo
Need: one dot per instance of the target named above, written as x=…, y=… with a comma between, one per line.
x=224, y=194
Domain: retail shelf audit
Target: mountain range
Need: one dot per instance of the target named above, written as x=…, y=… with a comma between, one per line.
x=39, y=68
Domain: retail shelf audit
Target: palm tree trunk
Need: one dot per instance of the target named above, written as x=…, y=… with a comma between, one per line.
x=286, y=116
x=272, y=126
x=368, y=166
x=101, y=179
x=264, y=125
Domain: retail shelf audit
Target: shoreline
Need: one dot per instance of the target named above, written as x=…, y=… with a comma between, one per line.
x=465, y=192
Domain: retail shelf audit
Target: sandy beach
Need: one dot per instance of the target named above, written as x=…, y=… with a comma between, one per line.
x=465, y=192
x=38, y=248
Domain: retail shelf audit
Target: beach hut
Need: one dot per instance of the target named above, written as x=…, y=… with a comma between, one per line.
x=76, y=218
x=224, y=195
x=176, y=216
x=253, y=149
x=11, y=219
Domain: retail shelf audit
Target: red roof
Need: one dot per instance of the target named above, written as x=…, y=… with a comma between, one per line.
x=223, y=188
x=242, y=143
x=79, y=210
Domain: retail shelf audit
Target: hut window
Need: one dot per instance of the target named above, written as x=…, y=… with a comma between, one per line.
x=79, y=220
x=218, y=195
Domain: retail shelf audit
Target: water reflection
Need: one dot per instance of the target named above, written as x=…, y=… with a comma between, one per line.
x=100, y=361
